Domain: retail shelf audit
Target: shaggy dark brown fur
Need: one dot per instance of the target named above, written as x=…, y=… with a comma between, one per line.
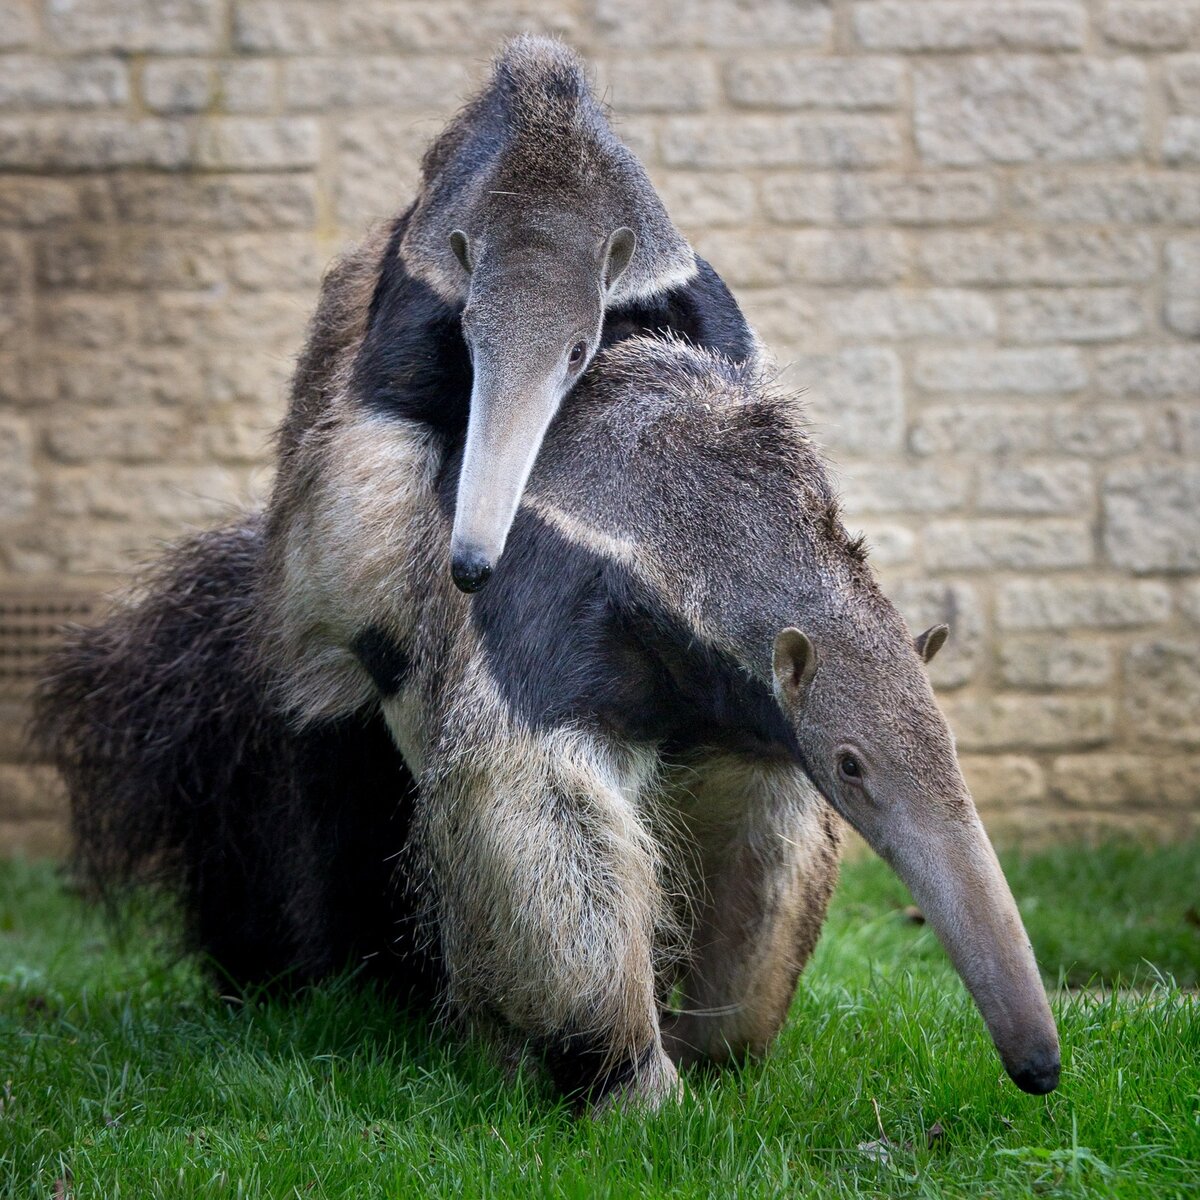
x=182, y=772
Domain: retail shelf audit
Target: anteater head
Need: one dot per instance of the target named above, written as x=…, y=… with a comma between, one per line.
x=536, y=219
x=532, y=322
x=853, y=686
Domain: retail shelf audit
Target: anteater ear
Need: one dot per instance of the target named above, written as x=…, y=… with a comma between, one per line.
x=617, y=253
x=462, y=249
x=931, y=641
x=795, y=663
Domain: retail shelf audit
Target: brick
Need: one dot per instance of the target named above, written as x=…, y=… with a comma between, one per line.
x=17, y=476
x=657, y=83
x=1018, y=110
x=1144, y=198
x=1148, y=24
x=997, y=543
x=1189, y=601
x=274, y=261
x=318, y=84
x=876, y=488
x=1164, y=373
x=718, y=23
x=408, y=26
x=1096, y=432
x=220, y=317
x=32, y=202
x=1029, y=722
x=925, y=198
x=136, y=26
x=1183, y=83
x=87, y=143
x=233, y=376
x=697, y=201
x=1059, y=604
x=1052, y=257
x=925, y=602
x=853, y=397
x=779, y=81
x=1116, y=781
x=90, y=548
x=14, y=269
x=231, y=202
x=1071, y=314
x=1181, y=140
x=1162, y=690
x=257, y=143
x=935, y=198
x=781, y=141
x=104, y=260
x=283, y=26
x=895, y=314
x=35, y=838
x=831, y=257
x=890, y=545
x=1046, y=664
x=16, y=323
x=1001, y=782
x=18, y=24
x=785, y=316
x=137, y=375
x=30, y=791
x=953, y=25
x=1183, y=285
x=174, y=494
x=178, y=86
x=84, y=321
x=1177, y=430
x=379, y=167
x=810, y=256
x=1151, y=517
x=126, y=435
x=800, y=198
x=246, y=87
x=28, y=83
x=241, y=438
x=1036, y=489
x=1020, y=372
x=978, y=429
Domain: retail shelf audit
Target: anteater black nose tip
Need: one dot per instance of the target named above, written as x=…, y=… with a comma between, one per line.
x=1039, y=1074
x=470, y=571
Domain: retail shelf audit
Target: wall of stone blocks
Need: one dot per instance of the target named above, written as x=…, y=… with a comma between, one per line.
x=970, y=231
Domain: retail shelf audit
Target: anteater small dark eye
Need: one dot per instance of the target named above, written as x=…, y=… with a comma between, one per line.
x=849, y=768
x=577, y=352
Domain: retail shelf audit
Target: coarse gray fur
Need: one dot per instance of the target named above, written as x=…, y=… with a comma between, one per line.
x=577, y=872
x=536, y=218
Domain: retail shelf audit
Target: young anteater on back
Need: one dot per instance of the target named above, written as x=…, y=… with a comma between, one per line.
x=614, y=777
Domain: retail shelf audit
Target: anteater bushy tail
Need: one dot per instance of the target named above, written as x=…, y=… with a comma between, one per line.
x=281, y=843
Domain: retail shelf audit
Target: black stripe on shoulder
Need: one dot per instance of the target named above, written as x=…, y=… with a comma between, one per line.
x=571, y=635
x=702, y=310
x=382, y=658
x=414, y=361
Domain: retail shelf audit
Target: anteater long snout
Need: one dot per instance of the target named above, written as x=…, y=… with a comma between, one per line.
x=508, y=420
x=952, y=871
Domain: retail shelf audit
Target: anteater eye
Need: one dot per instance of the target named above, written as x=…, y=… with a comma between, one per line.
x=849, y=767
x=577, y=352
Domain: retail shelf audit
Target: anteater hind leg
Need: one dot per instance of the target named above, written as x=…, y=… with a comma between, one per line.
x=548, y=902
x=768, y=849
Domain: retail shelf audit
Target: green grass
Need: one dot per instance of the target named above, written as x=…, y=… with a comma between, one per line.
x=123, y=1075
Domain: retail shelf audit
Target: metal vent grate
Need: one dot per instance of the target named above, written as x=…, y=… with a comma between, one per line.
x=31, y=626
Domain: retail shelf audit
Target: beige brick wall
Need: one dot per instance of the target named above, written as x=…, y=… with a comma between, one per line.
x=970, y=230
